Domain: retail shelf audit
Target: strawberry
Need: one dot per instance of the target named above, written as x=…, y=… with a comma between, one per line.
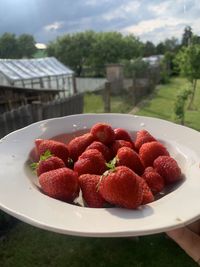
x=147, y=193
x=91, y=161
x=142, y=137
x=121, y=134
x=77, y=145
x=101, y=148
x=150, y=151
x=129, y=158
x=168, y=168
x=117, y=144
x=103, y=133
x=88, y=184
x=60, y=184
x=33, y=155
x=121, y=187
x=56, y=148
x=47, y=163
x=154, y=180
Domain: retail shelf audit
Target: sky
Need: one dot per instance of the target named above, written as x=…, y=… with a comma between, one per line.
x=152, y=20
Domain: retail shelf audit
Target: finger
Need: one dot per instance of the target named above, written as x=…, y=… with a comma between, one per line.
x=188, y=241
x=195, y=227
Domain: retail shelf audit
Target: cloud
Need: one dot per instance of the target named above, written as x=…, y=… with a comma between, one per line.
x=47, y=19
x=168, y=19
x=123, y=11
x=150, y=28
x=54, y=26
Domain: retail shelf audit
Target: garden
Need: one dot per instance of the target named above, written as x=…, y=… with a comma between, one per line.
x=25, y=245
x=175, y=99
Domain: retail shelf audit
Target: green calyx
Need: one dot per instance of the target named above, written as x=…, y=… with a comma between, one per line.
x=47, y=154
x=111, y=168
x=112, y=164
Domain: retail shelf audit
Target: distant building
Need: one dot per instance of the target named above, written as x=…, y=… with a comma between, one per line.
x=40, y=46
x=25, y=80
x=153, y=60
x=41, y=73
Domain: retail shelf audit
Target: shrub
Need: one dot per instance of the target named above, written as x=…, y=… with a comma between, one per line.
x=179, y=106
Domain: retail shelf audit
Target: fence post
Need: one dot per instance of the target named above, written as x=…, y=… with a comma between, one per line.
x=106, y=97
x=37, y=111
x=3, y=128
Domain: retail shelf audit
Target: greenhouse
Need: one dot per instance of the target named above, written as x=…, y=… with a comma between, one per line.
x=41, y=74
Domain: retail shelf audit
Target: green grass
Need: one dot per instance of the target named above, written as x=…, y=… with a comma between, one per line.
x=94, y=103
x=162, y=104
x=29, y=246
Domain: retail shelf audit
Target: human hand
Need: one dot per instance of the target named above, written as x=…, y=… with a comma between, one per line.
x=188, y=238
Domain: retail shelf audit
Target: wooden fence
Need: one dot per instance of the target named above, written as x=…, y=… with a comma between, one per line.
x=141, y=88
x=27, y=114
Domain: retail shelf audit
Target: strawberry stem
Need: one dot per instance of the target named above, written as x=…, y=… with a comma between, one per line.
x=47, y=154
x=112, y=164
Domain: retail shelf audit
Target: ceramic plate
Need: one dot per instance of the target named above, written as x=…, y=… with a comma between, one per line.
x=21, y=197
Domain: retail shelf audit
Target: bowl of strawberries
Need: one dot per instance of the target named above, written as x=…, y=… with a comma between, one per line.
x=101, y=175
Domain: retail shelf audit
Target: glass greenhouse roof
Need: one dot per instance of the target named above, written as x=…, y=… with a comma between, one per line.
x=23, y=69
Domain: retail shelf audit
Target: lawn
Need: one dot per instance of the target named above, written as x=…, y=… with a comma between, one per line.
x=28, y=246
x=162, y=104
x=94, y=103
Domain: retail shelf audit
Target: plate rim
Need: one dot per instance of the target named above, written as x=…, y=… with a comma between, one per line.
x=93, y=233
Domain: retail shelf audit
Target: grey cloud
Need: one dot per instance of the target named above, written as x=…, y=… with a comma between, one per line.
x=32, y=16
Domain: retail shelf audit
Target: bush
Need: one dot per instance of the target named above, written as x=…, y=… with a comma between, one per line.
x=179, y=107
x=137, y=68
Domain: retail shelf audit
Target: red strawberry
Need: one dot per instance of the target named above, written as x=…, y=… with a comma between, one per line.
x=103, y=132
x=121, y=134
x=49, y=164
x=88, y=184
x=168, y=168
x=33, y=155
x=56, y=148
x=147, y=193
x=117, y=144
x=121, y=187
x=142, y=137
x=77, y=145
x=150, y=151
x=154, y=180
x=101, y=148
x=129, y=158
x=60, y=184
x=90, y=162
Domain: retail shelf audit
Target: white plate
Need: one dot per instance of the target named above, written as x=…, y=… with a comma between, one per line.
x=20, y=196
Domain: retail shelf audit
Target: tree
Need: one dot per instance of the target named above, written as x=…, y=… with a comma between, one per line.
x=171, y=44
x=149, y=49
x=195, y=39
x=132, y=47
x=26, y=45
x=9, y=46
x=94, y=50
x=187, y=60
x=73, y=50
x=135, y=68
x=187, y=36
x=160, y=48
x=108, y=48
